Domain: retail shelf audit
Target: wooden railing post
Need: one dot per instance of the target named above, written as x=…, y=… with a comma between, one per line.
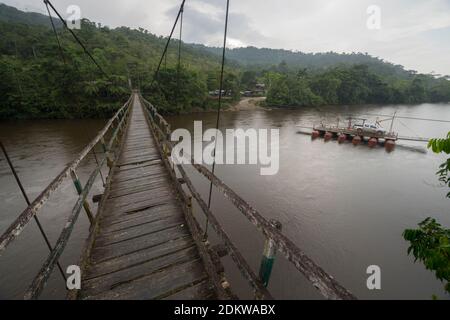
x=79, y=188
x=268, y=257
x=109, y=161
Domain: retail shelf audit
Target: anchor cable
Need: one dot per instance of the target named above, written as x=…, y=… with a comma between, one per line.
x=56, y=33
x=77, y=39
x=167, y=43
x=22, y=189
x=218, y=113
x=179, y=52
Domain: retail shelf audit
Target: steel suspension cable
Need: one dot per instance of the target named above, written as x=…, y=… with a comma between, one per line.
x=167, y=43
x=22, y=189
x=179, y=51
x=56, y=33
x=47, y=4
x=77, y=39
x=218, y=111
x=406, y=117
x=179, y=43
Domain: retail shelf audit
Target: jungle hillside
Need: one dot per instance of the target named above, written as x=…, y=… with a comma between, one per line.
x=37, y=80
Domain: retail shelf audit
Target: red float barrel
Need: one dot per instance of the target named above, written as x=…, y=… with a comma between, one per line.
x=328, y=136
x=342, y=137
x=373, y=142
x=315, y=134
x=389, y=145
x=356, y=140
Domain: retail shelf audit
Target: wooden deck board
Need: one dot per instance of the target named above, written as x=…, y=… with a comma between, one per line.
x=143, y=248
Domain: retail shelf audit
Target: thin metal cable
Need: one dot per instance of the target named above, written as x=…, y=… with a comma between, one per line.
x=205, y=236
x=56, y=34
x=22, y=189
x=179, y=51
x=411, y=130
x=76, y=38
x=167, y=43
x=406, y=117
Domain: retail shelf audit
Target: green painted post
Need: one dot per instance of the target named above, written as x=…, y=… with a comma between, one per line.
x=268, y=258
x=79, y=188
x=109, y=161
x=102, y=141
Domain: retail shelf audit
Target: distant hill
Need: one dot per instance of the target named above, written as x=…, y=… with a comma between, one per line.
x=265, y=57
x=14, y=15
x=249, y=56
x=37, y=81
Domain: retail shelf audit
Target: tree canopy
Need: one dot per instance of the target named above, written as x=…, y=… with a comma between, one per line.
x=356, y=84
x=37, y=82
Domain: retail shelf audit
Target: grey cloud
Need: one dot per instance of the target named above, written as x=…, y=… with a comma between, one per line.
x=200, y=27
x=408, y=35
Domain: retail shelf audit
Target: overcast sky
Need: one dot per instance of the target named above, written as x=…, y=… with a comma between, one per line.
x=413, y=33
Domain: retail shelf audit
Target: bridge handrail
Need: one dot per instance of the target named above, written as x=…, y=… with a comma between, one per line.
x=42, y=277
x=322, y=281
x=15, y=229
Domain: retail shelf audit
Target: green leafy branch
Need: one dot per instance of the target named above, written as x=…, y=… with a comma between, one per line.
x=439, y=146
x=431, y=245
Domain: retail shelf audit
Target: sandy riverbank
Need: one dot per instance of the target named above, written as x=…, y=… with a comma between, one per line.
x=247, y=104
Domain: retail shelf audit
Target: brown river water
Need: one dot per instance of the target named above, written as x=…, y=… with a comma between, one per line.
x=345, y=206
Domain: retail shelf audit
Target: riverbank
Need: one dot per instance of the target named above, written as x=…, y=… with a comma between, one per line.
x=248, y=104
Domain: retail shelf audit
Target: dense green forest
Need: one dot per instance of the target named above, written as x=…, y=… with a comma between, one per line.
x=298, y=79
x=37, y=81
x=356, y=84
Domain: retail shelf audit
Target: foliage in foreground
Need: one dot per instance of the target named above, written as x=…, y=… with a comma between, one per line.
x=430, y=243
x=442, y=146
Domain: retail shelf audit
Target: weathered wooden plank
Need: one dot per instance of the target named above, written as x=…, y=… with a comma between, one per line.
x=137, y=203
x=138, y=182
x=200, y=291
x=142, y=192
x=136, y=159
x=155, y=186
x=119, y=216
x=128, y=247
x=141, y=256
x=159, y=285
x=138, y=172
x=138, y=231
x=142, y=151
x=132, y=272
x=158, y=212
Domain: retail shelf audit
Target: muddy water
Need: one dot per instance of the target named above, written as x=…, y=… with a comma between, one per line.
x=345, y=206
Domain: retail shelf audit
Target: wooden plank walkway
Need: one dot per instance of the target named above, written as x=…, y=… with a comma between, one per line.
x=143, y=248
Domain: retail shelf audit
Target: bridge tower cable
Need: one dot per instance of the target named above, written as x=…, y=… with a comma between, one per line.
x=167, y=44
x=219, y=107
x=56, y=33
x=179, y=51
x=47, y=2
x=27, y=200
